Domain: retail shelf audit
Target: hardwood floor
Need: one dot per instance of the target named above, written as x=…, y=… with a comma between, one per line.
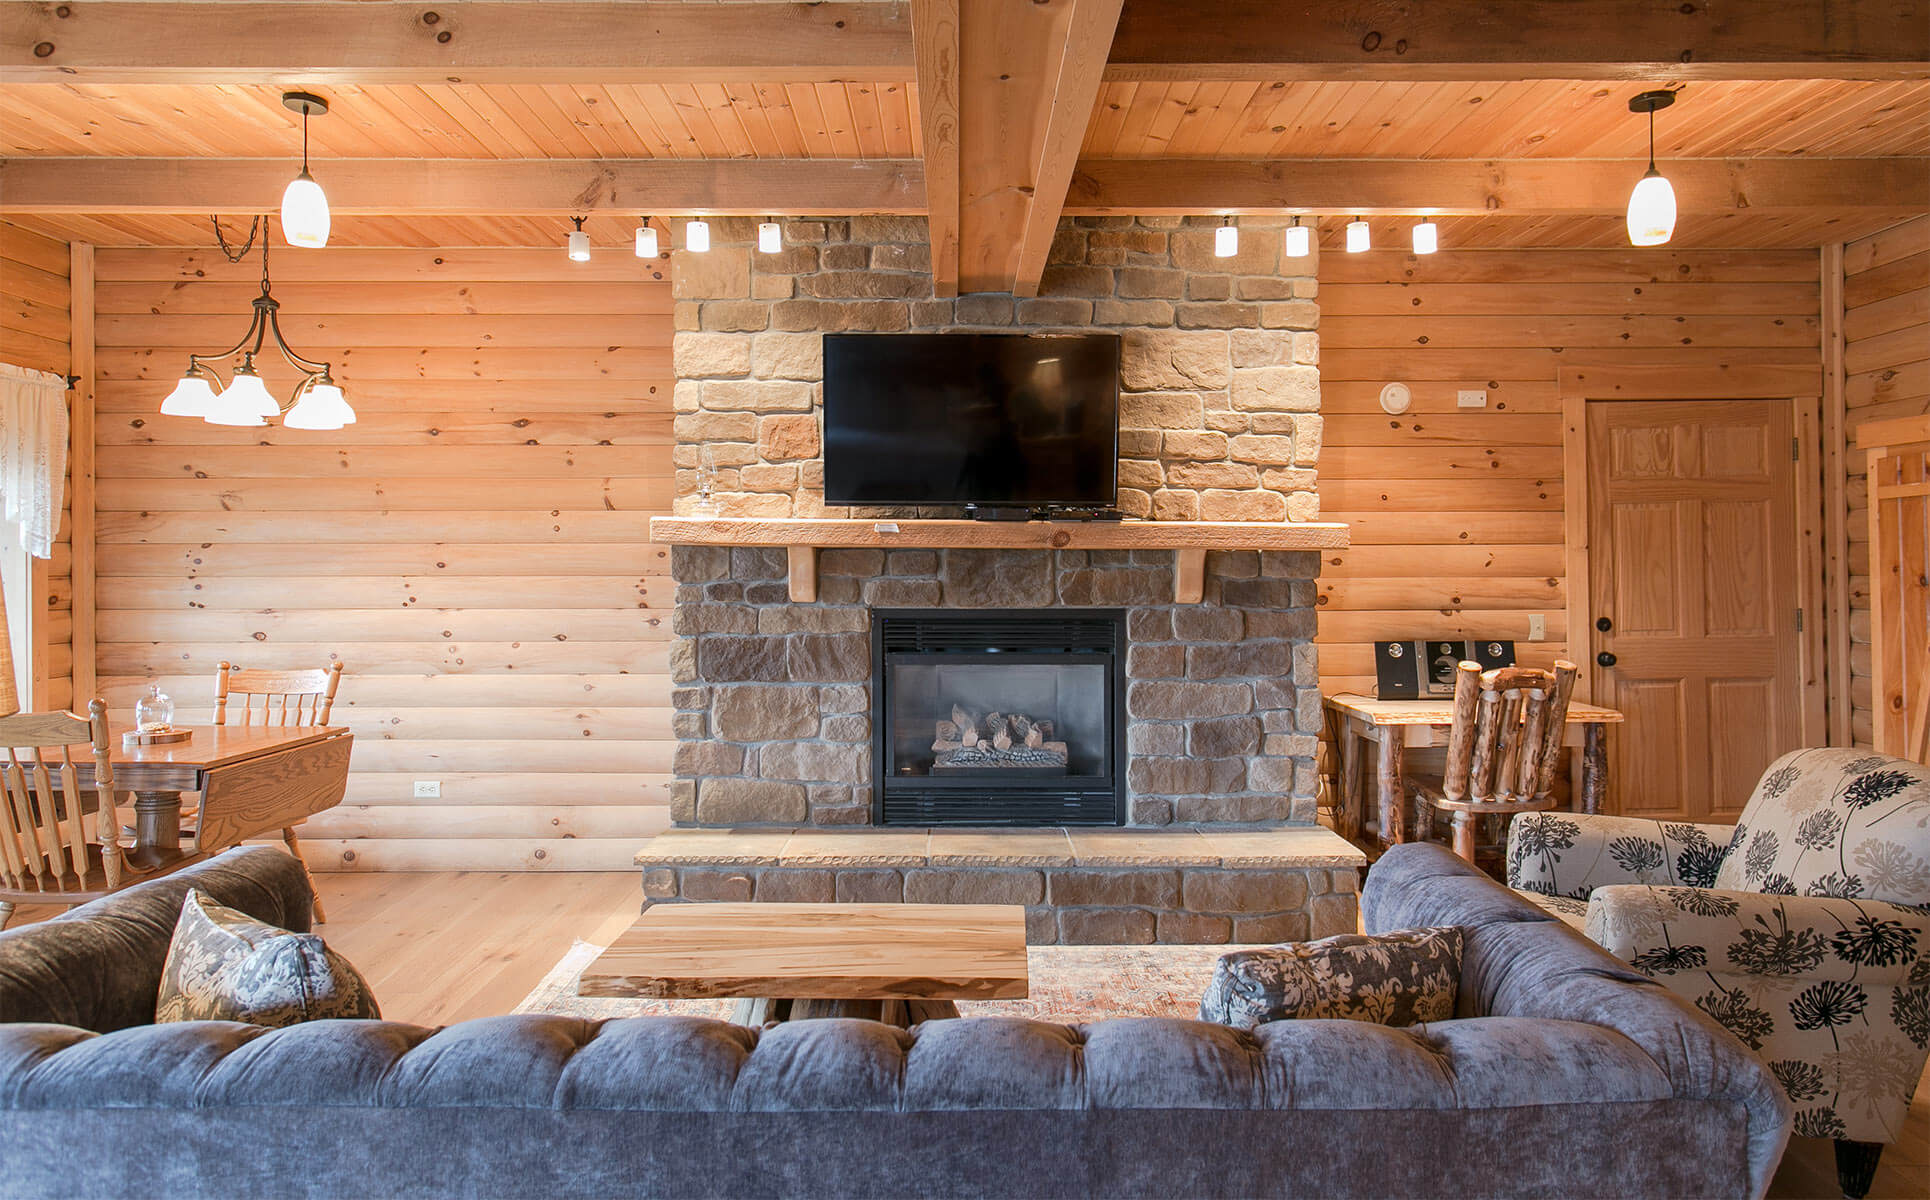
x=442, y=947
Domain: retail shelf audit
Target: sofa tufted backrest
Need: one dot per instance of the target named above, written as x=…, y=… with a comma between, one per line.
x=1835, y=823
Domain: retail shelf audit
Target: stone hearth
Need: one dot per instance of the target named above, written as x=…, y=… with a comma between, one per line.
x=1079, y=886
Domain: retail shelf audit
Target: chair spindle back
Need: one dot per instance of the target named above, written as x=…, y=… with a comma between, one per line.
x=1507, y=732
x=44, y=836
x=286, y=697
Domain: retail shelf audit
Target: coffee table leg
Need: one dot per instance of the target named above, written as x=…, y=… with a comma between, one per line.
x=760, y=1012
x=157, y=828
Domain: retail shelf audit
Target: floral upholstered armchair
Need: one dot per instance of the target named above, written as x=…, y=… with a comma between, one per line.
x=1804, y=929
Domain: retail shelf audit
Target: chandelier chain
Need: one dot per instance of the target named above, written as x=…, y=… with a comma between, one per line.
x=235, y=256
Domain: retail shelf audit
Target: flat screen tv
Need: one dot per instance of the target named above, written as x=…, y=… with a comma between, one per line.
x=971, y=419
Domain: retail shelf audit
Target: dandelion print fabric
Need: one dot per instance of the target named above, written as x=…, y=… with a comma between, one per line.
x=1400, y=978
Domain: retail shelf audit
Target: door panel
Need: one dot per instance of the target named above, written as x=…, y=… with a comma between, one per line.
x=1692, y=558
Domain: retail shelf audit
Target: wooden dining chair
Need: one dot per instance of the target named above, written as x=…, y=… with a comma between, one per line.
x=1509, y=724
x=286, y=698
x=59, y=843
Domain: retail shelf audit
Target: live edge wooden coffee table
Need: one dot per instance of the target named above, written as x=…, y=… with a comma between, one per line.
x=899, y=963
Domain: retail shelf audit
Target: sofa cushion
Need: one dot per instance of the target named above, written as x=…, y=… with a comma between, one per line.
x=1400, y=978
x=224, y=965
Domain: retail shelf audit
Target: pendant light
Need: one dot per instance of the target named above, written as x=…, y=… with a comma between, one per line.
x=1651, y=206
x=697, y=236
x=304, y=209
x=579, y=242
x=1427, y=238
x=317, y=403
x=770, y=237
x=1299, y=240
x=646, y=240
x=1226, y=239
x=1357, y=239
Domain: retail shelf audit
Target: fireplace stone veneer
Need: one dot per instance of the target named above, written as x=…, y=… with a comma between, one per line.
x=773, y=698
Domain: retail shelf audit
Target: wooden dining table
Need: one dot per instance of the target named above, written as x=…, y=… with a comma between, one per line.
x=252, y=780
x=1392, y=727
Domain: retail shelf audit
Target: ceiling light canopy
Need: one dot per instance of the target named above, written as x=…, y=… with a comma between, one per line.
x=316, y=403
x=1651, y=206
x=304, y=209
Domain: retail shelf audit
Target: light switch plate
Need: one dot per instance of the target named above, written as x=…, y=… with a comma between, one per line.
x=1471, y=398
x=1537, y=627
x=428, y=789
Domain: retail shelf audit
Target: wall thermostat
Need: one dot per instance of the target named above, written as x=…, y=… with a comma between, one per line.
x=1395, y=397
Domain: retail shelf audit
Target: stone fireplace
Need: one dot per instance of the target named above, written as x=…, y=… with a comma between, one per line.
x=780, y=786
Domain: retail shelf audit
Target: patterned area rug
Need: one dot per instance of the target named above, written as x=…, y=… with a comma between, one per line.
x=1070, y=984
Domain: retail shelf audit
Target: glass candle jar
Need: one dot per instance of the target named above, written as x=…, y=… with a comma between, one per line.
x=154, y=711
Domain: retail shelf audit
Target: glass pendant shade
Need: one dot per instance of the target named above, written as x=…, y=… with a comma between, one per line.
x=154, y=711
x=1651, y=211
x=304, y=213
x=646, y=242
x=579, y=246
x=1299, y=241
x=321, y=406
x=192, y=397
x=1357, y=239
x=1226, y=241
x=1427, y=238
x=770, y=238
x=245, y=401
x=697, y=236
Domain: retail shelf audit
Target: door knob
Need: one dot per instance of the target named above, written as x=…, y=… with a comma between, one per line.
x=1604, y=624
x=1605, y=659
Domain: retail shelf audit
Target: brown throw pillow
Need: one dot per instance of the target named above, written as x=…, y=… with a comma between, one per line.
x=224, y=965
x=1400, y=978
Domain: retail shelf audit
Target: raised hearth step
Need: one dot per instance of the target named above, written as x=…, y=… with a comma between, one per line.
x=1169, y=846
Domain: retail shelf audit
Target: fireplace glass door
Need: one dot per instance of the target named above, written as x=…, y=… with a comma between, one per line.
x=997, y=718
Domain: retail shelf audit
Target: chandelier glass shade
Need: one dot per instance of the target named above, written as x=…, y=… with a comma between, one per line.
x=315, y=403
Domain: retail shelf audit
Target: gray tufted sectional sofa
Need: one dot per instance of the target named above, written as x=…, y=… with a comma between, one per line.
x=1564, y=1075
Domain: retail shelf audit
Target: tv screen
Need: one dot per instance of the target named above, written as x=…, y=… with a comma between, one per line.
x=971, y=418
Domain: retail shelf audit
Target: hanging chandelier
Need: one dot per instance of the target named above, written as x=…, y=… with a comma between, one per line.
x=316, y=403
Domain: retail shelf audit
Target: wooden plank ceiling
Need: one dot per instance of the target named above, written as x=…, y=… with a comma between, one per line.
x=1310, y=107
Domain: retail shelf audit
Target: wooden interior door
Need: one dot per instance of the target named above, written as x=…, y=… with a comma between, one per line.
x=1693, y=567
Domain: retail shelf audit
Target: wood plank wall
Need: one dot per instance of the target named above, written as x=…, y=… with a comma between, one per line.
x=1886, y=364
x=1457, y=514
x=474, y=548
x=34, y=293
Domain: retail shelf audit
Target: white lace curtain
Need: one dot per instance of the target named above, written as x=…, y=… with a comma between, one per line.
x=33, y=453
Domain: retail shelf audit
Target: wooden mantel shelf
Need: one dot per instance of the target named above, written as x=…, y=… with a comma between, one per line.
x=802, y=538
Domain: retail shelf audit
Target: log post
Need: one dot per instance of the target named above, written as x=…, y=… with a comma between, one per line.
x=1393, y=791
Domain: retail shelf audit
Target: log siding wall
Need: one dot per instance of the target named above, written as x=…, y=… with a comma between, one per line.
x=1458, y=514
x=1886, y=365
x=474, y=548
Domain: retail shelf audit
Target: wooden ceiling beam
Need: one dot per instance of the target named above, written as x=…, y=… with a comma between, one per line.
x=1419, y=40
x=1522, y=187
x=797, y=187
x=460, y=41
x=396, y=186
x=934, y=25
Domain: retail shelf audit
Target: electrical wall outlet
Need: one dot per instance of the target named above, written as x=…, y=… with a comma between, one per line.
x=1537, y=627
x=1471, y=398
x=428, y=789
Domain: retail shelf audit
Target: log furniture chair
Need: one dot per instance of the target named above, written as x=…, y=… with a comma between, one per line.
x=287, y=698
x=1502, y=748
x=59, y=843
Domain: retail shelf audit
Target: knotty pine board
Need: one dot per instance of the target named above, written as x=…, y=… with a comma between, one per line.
x=1457, y=514
x=34, y=294
x=475, y=547
x=1886, y=359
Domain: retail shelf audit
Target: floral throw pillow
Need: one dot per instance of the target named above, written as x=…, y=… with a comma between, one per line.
x=1400, y=978
x=224, y=965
